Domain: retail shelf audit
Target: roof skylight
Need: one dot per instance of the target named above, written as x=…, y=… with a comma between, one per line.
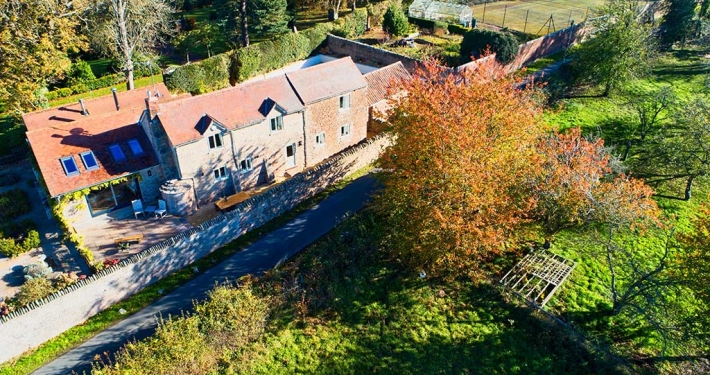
x=136, y=148
x=89, y=160
x=69, y=165
x=117, y=153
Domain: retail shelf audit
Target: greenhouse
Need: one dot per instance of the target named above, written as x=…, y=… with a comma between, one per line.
x=441, y=11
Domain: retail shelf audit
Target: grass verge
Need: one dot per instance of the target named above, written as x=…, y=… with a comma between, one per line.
x=73, y=337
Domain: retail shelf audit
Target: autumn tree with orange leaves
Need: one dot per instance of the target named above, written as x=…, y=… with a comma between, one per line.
x=464, y=154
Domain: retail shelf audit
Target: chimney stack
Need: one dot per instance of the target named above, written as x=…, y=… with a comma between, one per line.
x=115, y=98
x=84, y=112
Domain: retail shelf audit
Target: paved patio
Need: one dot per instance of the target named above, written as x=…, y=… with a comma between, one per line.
x=100, y=232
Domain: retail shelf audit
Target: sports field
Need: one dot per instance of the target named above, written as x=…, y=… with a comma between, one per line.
x=542, y=16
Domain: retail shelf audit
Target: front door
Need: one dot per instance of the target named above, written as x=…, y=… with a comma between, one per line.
x=291, y=155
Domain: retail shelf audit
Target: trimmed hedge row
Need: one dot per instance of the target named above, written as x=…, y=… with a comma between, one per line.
x=105, y=81
x=429, y=24
x=260, y=58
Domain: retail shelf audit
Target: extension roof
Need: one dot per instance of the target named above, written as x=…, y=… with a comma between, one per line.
x=93, y=133
x=127, y=100
x=381, y=81
x=327, y=80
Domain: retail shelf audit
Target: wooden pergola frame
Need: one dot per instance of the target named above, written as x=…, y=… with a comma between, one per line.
x=538, y=276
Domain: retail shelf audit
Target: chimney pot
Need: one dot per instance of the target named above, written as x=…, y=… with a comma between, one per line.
x=84, y=112
x=115, y=98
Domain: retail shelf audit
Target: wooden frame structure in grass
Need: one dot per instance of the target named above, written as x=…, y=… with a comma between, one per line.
x=538, y=276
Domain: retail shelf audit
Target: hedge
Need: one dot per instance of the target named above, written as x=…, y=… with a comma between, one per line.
x=105, y=81
x=453, y=28
x=208, y=75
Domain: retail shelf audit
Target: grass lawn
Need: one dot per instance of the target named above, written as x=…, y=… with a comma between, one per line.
x=100, y=67
x=30, y=361
x=585, y=298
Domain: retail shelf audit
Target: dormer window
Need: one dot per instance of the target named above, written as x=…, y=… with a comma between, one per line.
x=277, y=123
x=215, y=141
x=89, y=160
x=69, y=165
x=135, y=147
x=345, y=101
x=117, y=153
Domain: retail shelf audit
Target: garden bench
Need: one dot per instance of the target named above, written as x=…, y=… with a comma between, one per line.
x=127, y=240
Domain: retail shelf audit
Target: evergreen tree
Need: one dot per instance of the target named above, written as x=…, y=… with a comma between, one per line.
x=268, y=17
x=677, y=24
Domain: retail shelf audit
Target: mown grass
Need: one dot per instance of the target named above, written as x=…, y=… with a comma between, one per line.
x=73, y=337
x=100, y=66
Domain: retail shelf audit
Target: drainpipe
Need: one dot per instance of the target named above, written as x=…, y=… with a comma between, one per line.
x=236, y=162
x=115, y=98
x=305, y=140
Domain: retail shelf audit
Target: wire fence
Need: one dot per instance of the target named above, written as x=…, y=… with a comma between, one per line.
x=537, y=17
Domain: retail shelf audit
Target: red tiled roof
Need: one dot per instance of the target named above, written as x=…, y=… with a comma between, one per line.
x=232, y=107
x=326, y=80
x=380, y=81
x=95, y=133
x=96, y=107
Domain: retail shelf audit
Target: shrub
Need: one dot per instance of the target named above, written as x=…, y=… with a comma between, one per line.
x=353, y=25
x=31, y=240
x=34, y=271
x=13, y=203
x=80, y=72
x=187, y=78
x=9, y=248
x=52, y=95
x=79, y=89
x=458, y=29
x=394, y=21
x=216, y=72
x=477, y=41
x=9, y=179
x=63, y=92
x=33, y=290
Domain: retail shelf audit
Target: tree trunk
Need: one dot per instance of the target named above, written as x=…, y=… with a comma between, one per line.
x=125, y=48
x=689, y=187
x=245, y=29
x=626, y=151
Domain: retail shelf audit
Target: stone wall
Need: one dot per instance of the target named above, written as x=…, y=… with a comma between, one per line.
x=537, y=48
x=29, y=327
x=367, y=55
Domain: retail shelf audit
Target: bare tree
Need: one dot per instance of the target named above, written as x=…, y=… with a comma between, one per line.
x=122, y=29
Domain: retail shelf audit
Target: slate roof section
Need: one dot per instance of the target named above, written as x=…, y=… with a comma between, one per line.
x=95, y=133
x=380, y=81
x=233, y=107
x=327, y=80
x=58, y=116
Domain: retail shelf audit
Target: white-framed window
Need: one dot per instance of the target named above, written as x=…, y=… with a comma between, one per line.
x=320, y=139
x=345, y=130
x=345, y=101
x=277, y=123
x=69, y=165
x=220, y=174
x=89, y=160
x=245, y=165
x=215, y=141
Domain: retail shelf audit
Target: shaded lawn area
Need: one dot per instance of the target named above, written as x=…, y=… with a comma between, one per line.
x=100, y=67
x=350, y=308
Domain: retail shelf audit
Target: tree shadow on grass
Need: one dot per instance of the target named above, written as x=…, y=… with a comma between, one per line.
x=388, y=320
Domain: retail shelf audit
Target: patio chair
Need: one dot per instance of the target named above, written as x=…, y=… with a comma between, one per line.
x=162, y=209
x=138, y=208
